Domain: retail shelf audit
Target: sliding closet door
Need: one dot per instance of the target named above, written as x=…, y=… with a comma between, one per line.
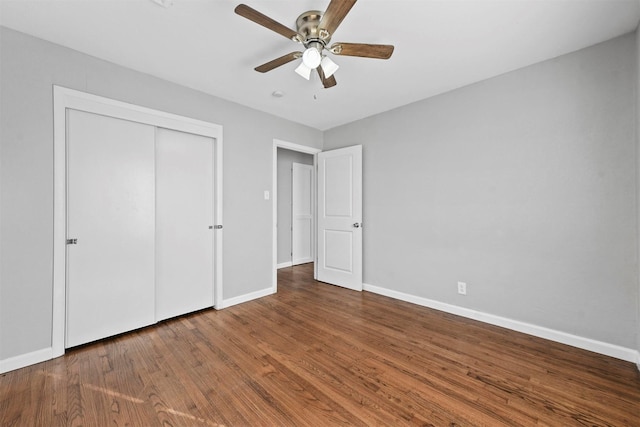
x=111, y=213
x=184, y=220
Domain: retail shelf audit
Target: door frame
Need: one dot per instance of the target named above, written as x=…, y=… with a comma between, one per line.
x=277, y=143
x=64, y=99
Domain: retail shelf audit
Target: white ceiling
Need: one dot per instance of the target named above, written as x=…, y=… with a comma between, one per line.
x=440, y=45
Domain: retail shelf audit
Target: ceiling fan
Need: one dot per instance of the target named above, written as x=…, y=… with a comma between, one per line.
x=314, y=30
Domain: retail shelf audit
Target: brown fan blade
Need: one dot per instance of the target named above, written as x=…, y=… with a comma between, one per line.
x=326, y=82
x=261, y=19
x=379, y=51
x=284, y=59
x=335, y=13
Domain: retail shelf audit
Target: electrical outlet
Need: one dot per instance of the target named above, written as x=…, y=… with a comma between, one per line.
x=462, y=288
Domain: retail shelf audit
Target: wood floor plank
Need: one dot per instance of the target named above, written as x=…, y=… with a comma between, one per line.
x=319, y=355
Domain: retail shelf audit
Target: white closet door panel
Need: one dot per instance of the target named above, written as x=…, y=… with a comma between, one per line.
x=302, y=214
x=111, y=213
x=184, y=213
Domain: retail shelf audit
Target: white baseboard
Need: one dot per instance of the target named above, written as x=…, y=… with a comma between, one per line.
x=244, y=298
x=284, y=265
x=27, y=359
x=623, y=353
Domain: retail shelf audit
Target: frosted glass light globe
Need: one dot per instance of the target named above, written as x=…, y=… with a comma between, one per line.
x=311, y=58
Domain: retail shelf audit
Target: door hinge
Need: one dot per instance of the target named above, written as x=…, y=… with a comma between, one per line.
x=215, y=227
x=72, y=241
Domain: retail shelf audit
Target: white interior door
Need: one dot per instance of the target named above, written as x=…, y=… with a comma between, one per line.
x=340, y=217
x=302, y=214
x=111, y=213
x=184, y=215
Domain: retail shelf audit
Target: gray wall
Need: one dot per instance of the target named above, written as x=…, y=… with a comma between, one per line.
x=523, y=186
x=286, y=158
x=638, y=168
x=29, y=68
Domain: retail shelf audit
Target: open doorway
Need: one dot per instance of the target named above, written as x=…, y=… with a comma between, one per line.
x=294, y=227
x=295, y=208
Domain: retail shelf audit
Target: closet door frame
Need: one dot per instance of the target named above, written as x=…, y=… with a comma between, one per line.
x=68, y=99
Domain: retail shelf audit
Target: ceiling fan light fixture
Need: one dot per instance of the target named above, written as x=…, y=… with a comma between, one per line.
x=314, y=30
x=311, y=58
x=328, y=66
x=304, y=71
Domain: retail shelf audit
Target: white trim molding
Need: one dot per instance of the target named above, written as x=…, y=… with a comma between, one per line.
x=612, y=350
x=246, y=297
x=284, y=265
x=27, y=359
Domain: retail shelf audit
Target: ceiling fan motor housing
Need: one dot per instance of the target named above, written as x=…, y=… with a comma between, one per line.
x=307, y=25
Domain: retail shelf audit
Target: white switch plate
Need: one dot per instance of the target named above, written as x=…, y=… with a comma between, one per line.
x=266, y=194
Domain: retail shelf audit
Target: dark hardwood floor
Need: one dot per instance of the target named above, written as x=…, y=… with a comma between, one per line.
x=317, y=355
